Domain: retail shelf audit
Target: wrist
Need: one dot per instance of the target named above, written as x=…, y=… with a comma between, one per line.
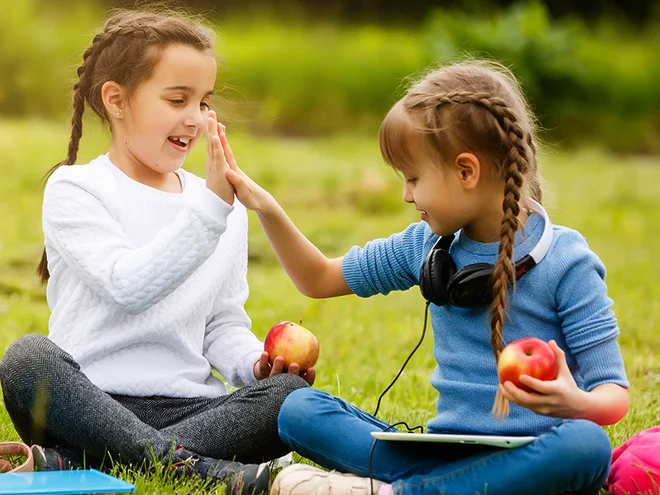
x=267, y=206
x=581, y=404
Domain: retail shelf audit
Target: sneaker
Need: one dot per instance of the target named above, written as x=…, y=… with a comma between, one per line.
x=303, y=479
x=239, y=479
x=55, y=459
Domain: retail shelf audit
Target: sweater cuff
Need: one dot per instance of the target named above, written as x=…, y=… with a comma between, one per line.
x=212, y=210
x=602, y=364
x=247, y=375
x=353, y=275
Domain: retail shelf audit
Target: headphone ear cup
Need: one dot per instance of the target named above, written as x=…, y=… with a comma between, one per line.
x=437, y=272
x=471, y=287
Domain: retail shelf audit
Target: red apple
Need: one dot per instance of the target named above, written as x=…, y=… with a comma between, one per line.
x=528, y=356
x=294, y=343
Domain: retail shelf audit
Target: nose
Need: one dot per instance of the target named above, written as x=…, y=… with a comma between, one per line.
x=196, y=118
x=407, y=193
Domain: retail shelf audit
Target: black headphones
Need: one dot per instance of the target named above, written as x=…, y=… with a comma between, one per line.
x=470, y=286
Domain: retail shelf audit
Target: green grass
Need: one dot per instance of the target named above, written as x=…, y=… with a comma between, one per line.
x=339, y=193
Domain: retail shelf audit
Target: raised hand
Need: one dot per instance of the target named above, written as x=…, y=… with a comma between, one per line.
x=216, y=163
x=248, y=192
x=263, y=369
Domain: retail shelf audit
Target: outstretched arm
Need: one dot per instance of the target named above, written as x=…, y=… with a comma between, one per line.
x=310, y=270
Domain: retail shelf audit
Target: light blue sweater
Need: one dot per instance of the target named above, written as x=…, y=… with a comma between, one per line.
x=563, y=298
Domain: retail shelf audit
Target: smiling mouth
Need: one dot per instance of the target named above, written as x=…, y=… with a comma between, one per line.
x=183, y=142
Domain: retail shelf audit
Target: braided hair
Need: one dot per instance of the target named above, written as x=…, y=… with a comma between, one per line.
x=478, y=107
x=125, y=51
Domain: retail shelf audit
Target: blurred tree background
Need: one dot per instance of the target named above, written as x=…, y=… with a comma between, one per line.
x=590, y=69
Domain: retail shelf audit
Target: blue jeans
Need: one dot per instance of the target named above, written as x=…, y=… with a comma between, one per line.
x=573, y=457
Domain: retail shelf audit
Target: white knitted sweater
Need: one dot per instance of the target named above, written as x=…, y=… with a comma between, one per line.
x=147, y=287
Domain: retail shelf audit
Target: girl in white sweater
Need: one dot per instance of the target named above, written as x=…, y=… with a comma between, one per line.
x=146, y=268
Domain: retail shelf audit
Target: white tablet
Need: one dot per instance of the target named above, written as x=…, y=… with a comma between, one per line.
x=507, y=442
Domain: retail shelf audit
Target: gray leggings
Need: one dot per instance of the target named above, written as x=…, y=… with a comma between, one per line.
x=52, y=403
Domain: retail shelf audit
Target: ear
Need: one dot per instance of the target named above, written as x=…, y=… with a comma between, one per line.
x=113, y=100
x=468, y=168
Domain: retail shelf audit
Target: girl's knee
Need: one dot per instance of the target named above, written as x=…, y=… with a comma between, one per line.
x=299, y=407
x=20, y=356
x=287, y=383
x=587, y=444
x=30, y=360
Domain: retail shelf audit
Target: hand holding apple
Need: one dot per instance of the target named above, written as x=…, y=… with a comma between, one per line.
x=294, y=343
x=558, y=397
x=530, y=356
x=263, y=369
x=289, y=348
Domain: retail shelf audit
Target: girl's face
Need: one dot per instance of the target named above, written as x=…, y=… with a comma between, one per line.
x=439, y=193
x=167, y=114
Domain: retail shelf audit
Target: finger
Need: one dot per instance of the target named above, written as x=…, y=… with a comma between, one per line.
x=521, y=397
x=561, y=359
x=228, y=152
x=211, y=124
x=505, y=393
x=546, y=387
x=310, y=376
x=235, y=179
x=278, y=366
x=293, y=369
x=264, y=366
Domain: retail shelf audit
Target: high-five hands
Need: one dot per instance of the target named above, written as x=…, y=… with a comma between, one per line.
x=216, y=163
x=248, y=192
x=561, y=397
x=263, y=369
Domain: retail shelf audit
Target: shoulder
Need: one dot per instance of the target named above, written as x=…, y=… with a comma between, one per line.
x=571, y=252
x=84, y=176
x=420, y=235
x=567, y=242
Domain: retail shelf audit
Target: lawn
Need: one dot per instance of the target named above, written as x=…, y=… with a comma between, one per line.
x=339, y=193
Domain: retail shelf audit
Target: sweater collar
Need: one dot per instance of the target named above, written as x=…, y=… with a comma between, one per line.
x=526, y=239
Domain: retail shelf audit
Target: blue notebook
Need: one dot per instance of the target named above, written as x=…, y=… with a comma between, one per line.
x=62, y=483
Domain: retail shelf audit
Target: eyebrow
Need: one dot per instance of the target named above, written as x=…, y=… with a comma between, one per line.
x=188, y=89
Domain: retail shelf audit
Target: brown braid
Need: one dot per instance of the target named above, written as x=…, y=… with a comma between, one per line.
x=80, y=89
x=121, y=53
x=475, y=107
x=516, y=165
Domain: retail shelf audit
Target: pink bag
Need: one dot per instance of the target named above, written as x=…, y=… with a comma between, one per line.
x=636, y=465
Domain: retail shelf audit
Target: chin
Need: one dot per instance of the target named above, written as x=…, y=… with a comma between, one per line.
x=166, y=166
x=440, y=231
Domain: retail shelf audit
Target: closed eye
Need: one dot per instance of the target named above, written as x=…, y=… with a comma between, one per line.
x=205, y=105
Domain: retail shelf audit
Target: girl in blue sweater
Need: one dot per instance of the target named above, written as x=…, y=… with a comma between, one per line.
x=463, y=140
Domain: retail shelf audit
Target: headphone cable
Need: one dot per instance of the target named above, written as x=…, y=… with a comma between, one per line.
x=426, y=314
x=421, y=428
